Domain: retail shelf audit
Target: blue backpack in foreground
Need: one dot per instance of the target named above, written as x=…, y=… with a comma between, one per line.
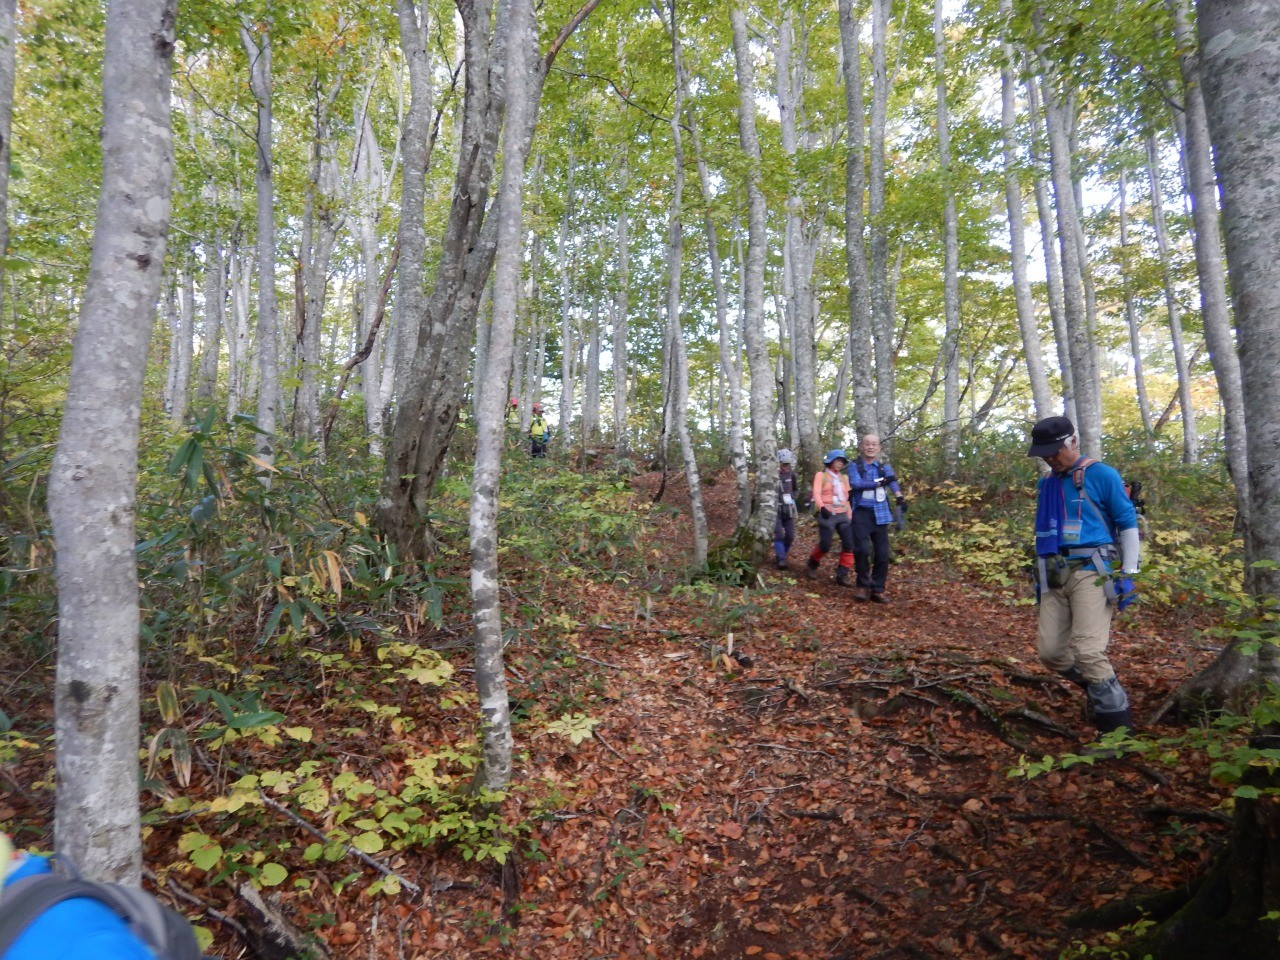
x=44, y=913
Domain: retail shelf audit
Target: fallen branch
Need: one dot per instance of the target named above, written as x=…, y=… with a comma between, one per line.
x=991, y=716
x=1033, y=716
x=609, y=747
x=784, y=747
x=814, y=815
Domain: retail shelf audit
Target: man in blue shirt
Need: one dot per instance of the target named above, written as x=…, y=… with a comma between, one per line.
x=1085, y=526
x=870, y=483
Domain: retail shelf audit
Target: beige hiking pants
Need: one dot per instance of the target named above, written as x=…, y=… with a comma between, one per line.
x=1075, y=627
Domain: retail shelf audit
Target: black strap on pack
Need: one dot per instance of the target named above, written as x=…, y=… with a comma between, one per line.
x=166, y=933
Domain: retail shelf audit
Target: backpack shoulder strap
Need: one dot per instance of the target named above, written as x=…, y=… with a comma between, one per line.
x=1077, y=472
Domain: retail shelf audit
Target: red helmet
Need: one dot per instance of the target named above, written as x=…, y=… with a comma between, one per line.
x=515, y=402
x=537, y=408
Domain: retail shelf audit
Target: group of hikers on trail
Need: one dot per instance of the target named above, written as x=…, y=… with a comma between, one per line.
x=851, y=501
x=1087, y=539
x=1087, y=550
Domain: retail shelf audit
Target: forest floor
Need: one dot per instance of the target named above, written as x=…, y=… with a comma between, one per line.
x=838, y=789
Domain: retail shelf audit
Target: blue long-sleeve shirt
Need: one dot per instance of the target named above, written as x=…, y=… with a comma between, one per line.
x=1082, y=525
x=865, y=492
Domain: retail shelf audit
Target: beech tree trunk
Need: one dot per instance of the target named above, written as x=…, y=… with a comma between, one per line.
x=1081, y=347
x=1048, y=244
x=257, y=45
x=183, y=346
x=881, y=307
x=1232, y=912
x=93, y=480
x=568, y=345
x=764, y=444
x=799, y=243
x=515, y=16
x=621, y=301
x=730, y=378
x=861, y=340
x=679, y=362
x=1208, y=245
x=215, y=319
x=1190, y=436
x=951, y=260
x=1041, y=394
x=1130, y=309
x=8, y=42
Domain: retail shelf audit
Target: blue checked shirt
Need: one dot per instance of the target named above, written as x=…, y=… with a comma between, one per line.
x=862, y=487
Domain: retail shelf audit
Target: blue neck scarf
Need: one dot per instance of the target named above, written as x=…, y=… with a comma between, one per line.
x=1050, y=516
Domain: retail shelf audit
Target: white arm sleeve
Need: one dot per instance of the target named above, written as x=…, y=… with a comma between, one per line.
x=1130, y=550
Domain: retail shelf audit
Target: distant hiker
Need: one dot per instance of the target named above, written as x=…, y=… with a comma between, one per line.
x=831, y=500
x=539, y=433
x=513, y=412
x=784, y=527
x=871, y=480
x=1082, y=512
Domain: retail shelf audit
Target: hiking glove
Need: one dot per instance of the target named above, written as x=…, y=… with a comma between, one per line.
x=902, y=503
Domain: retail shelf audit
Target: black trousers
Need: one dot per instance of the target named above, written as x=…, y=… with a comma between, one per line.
x=867, y=536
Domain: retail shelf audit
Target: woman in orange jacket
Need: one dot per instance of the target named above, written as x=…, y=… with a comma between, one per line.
x=835, y=516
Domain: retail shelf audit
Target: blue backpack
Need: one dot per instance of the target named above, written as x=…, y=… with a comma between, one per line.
x=46, y=914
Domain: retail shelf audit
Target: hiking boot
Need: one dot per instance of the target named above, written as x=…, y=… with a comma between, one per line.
x=842, y=576
x=811, y=569
x=781, y=563
x=879, y=598
x=861, y=594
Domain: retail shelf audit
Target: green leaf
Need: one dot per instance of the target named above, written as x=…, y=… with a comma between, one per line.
x=272, y=874
x=1248, y=793
x=368, y=842
x=206, y=857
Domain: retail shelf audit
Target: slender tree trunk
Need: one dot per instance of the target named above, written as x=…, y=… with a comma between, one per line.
x=881, y=314
x=238, y=331
x=591, y=383
x=8, y=43
x=798, y=258
x=93, y=480
x=370, y=176
x=1190, y=437
x=1208, y=245
x=215, y=319
x=621, y=301
x=1088, y=411
x=861, y=342
x=183, y=346
x=951, y=259
x=1130, y=309
x=1041, y=394
x=320, y=234
x=495, y=771
x=257, y=45
x=764, y=444
x=730, y=374
x=415, y=152
x=1052, y=263
x=568, y=345
x=675, y=332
